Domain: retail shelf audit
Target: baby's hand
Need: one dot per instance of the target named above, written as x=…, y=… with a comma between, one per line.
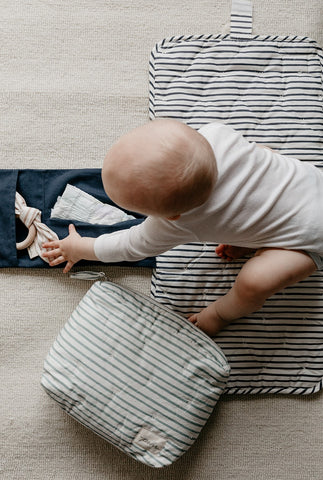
x=71, y=249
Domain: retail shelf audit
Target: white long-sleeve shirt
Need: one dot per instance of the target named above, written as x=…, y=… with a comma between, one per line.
x=260, y=199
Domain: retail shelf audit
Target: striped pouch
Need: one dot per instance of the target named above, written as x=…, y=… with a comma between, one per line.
x=270, y=89
x=135, y=373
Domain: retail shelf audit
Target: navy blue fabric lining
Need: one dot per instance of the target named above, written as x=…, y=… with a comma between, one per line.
x=40, y=189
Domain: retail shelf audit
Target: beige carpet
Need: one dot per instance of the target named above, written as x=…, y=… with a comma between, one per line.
x=73, y=77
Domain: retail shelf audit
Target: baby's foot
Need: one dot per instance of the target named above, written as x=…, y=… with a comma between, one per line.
x=230, y=252
x=208, y=320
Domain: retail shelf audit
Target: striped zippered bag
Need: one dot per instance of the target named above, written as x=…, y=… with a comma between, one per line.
x=135, y=373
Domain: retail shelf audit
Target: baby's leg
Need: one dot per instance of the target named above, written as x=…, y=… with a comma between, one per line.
x=263, y=275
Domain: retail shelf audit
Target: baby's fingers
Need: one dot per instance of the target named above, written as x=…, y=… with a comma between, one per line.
x=52, y=244
x=68, y=266
x=51, y=253
x=57, y=261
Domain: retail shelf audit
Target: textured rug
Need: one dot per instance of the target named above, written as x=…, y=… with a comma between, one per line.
x=73, y=77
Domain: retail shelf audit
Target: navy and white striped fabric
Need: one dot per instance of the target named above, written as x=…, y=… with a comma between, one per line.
x=267, y=87
x=270, y=89
x=278, y=349
x=241, y=19
x=135, y=373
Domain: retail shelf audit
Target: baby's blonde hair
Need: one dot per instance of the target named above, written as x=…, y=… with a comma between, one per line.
x=163, y=168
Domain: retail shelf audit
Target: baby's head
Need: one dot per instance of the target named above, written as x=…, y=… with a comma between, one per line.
x=162, y=168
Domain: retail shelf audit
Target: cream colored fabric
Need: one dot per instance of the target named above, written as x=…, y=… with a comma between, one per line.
x=75, y=204
x=73, y=77
x=32, y=216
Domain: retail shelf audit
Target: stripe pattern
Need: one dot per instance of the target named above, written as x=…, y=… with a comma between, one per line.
x=278, y=349
x=135, y=373
x=241, y=19
x=270, y=89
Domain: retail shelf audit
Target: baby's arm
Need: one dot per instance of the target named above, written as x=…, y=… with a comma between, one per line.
x=150, y=238
x=71, y=249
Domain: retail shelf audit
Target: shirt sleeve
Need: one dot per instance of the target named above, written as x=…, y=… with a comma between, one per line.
x=150, y=238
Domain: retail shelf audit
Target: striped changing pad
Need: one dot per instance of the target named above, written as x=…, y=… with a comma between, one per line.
x=135, y=373
x=270, y=89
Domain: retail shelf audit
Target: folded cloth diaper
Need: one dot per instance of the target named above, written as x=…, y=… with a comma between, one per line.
x=75, y=204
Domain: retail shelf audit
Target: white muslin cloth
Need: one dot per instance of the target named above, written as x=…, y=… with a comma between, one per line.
x=32, y=216
x=75, y=204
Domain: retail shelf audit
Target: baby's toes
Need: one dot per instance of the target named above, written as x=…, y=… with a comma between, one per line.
x=193, y=319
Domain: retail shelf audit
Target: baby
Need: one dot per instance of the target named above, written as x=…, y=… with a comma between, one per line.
x=210, y=185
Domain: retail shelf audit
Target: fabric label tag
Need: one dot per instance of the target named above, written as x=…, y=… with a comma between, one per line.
x=148, y=440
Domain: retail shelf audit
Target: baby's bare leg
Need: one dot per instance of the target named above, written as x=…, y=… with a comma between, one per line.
x=268, y=272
